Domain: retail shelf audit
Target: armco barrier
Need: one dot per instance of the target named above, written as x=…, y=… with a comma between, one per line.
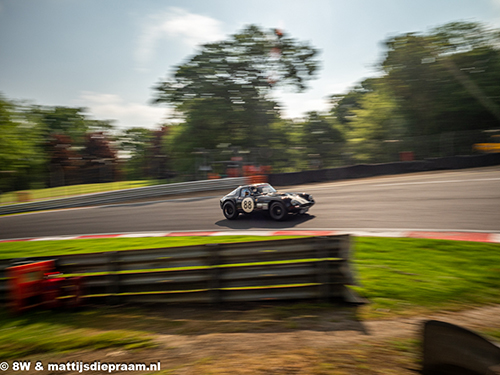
x=279, y=179
x=292, y=269
x=125, y=195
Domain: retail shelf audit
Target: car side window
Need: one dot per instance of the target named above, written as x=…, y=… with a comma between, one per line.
x=244, y=192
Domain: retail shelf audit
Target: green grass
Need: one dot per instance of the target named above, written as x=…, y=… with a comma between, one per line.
x=22, y=249
x=399, y=274
x=405, y=345
x=65, y=191
x=48, y=332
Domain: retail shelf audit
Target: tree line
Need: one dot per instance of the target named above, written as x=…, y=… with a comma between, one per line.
x=437, y=92
x=44, y=146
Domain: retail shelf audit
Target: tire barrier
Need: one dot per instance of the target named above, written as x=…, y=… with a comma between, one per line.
x=257, y=179
x=291, y=269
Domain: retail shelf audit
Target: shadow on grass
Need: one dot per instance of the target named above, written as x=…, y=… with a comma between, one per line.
x=198, y=319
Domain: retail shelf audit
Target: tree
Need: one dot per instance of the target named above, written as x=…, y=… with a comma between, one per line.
x=322, y=140
x=20, y=156
x=63, y=160
x=134, y=142
x=243, y=68
x=473, y=59
x=100, y=125
x=98, y=147
x=147, y=157
x=223, y=92
x=156, y=157
x=344, y=105
x=376, y=123
x=99, y=157
x=446, y=80
x=61, y=120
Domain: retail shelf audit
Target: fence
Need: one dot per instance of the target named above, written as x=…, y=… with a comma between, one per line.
x=370, y=170
x=291, y=269
x=328, y=153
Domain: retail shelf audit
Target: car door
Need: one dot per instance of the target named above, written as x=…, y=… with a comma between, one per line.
x=246, y=200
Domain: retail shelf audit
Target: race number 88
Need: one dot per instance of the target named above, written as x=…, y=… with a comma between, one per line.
x=247, y=205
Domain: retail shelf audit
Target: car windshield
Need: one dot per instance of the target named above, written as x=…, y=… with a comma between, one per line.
x=266, y=189
x=234, y=192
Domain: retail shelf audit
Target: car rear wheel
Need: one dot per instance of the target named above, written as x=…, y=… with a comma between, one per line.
x=230, y=211
x=277, y=211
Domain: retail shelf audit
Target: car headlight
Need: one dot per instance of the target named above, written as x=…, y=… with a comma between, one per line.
x=294, y=202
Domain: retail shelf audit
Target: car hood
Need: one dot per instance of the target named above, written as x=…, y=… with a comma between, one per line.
x=291, y=196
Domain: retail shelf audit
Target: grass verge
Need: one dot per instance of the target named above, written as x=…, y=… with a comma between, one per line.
x=40, y=332
x=23, y=249
x=66, y=191
x=406, y=276
x=398, y=277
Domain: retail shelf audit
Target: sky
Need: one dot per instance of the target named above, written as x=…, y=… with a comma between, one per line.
x=107, y=55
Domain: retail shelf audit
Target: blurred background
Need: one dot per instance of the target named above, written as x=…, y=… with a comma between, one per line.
x=194, y=92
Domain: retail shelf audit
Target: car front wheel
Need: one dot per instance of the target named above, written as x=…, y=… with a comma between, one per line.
x=230, y=211
x=277, y=211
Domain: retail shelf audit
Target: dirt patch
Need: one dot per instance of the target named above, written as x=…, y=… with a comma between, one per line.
x=278, y=340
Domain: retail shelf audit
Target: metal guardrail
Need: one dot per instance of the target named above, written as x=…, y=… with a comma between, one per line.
x=291, y=269
x=279, y=179
x=125, y=195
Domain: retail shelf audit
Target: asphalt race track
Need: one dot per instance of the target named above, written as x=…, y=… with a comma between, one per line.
x=465, y=200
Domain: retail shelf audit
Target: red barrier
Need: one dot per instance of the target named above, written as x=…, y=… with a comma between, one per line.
x=406, y=156
x=39, y=284
x=26, y=284
x=258, y=179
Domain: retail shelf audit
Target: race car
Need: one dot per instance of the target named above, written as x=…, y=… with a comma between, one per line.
x=247, y=199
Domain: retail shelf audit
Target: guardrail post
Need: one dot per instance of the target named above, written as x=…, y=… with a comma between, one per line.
x=323, y=268
x=113, y=278
x=347, y=273
x=345, y=254
x=215, y=282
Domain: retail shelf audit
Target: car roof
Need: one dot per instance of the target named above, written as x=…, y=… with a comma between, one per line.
x=255, y=185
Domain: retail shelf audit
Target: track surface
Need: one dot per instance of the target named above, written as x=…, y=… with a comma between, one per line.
x=466, y=200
